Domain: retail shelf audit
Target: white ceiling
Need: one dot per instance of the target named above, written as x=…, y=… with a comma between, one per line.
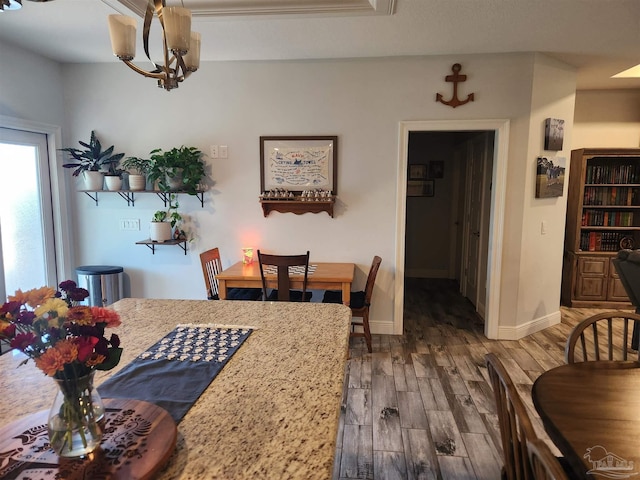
x=599, y=37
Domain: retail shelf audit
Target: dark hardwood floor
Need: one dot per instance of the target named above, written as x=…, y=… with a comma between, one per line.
x=420, y=406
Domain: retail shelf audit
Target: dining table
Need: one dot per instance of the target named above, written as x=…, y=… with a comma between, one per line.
x=271, y=412
x=591, y=412
x=321, y=276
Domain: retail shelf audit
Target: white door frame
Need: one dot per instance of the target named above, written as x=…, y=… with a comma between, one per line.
x=496, y=228
x=61, y=215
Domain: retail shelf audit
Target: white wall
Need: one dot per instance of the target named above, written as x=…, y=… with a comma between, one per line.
x=553, y=96
x=361, y=101
x=607, y=119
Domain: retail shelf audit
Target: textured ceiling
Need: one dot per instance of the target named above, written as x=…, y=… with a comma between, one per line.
x=599, y=37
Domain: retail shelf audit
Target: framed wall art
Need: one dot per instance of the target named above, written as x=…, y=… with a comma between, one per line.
x=553, y=134
x=550, y=176
x=298, y=163
x=420, y=188
x=417, y=171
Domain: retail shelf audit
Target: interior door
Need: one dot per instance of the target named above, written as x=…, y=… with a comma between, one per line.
x=473, y=220
x=27, y=248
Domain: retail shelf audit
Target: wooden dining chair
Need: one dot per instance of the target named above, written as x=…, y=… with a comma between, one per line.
x=516, y=428
x=604, y=336
x=359, y=304
x=282, y=263
x=211, y=266
x=544, y=464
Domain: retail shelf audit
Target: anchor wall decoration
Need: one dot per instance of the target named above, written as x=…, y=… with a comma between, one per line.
x=455, y=79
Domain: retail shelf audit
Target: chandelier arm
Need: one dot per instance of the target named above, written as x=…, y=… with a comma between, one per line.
x=156, y=74
x=148, y=18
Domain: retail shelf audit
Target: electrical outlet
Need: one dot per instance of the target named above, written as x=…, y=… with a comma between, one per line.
x=214, y=151
x=129, y=224
x=224, y=151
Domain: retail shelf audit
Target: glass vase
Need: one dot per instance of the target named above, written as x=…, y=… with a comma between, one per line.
x=75, y=418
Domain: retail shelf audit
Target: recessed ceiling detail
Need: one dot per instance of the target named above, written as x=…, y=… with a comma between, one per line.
x=226, y=8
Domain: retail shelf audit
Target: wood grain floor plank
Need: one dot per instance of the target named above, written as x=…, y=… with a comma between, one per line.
x=445, y=434
x=483, y=455
x=412, y=413
x=358, y=407
x=389, y=465
x=357, y=452
x=466, y=415
x=420, y=456
x=456, y=468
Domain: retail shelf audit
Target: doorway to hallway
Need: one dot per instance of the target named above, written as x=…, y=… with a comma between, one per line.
x=476, y=264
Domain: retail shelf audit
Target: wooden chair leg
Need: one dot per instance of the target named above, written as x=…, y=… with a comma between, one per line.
x=365, y=327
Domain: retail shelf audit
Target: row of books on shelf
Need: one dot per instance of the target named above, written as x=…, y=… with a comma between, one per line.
x=622, y=196
x=601, y=241
x=606, y=218
x=629, y=173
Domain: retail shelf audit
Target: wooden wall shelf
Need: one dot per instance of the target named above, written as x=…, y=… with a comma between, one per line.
x=298, y=206
x=129, y=195
x=152, y=245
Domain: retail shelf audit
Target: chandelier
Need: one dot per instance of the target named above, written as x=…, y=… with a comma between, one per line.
x=10, y=5
x=181, y=46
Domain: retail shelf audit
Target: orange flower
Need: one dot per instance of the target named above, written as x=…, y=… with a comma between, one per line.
x=38, y=296
x=110, y=317
x=80, y=315
x=95, y=359
x=19, y=296
x=68, y=350
x=50, y=362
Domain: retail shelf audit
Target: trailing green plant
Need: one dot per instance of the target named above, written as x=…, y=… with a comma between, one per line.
x=140, y=165
x=92, y=157
x=185, y=161
x=172, y=216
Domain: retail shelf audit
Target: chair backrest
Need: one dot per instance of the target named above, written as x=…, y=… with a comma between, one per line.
x=544, y=464
x=516, y=428
x=371, y=280
x=211, y=266
x=605, y=336
x=282, y=263
x=627, y=264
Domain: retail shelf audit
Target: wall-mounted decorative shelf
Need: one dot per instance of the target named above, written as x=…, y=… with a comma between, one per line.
x=298, y=206
x=129, y=195
x=152, y=245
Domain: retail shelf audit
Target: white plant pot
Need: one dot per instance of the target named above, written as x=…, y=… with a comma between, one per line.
x=160, y=231
x=93, y=180
x=113, y=182
x=137, y=182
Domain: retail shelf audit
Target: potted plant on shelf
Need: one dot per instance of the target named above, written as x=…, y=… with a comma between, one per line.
x=90, y=160
x=113, y=176
x=179, y=169
x=165, y=224
x=138, y=170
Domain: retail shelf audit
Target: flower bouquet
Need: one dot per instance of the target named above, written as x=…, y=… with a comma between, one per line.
x=67, y=342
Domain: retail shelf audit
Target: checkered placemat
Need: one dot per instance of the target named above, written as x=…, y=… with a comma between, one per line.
x=297, y=270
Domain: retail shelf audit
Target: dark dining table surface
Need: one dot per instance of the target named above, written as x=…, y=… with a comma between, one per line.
x=591, y=411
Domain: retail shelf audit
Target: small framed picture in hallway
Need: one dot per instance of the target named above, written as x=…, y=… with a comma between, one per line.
x=420, y=188
x=417, y=172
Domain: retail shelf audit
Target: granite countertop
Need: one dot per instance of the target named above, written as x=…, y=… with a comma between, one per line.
x=272, y=412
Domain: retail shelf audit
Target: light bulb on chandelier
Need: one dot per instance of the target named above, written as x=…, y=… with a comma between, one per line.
x=181, y=46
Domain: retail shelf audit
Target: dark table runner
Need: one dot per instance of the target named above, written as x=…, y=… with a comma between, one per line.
x=175, y=371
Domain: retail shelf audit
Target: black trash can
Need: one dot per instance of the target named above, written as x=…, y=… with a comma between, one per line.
x=103, y=282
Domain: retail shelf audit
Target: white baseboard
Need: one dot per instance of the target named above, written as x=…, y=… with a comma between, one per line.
x=520, y=331
x=380, y=327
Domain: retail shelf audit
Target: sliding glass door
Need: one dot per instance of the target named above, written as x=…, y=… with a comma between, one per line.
x=27, y=246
